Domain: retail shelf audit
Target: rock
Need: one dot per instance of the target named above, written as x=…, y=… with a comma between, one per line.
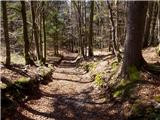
x=44, y=72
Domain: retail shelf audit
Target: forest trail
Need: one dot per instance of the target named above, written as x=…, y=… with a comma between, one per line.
x=69, y=96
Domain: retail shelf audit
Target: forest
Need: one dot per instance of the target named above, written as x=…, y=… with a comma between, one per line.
x=80, y=60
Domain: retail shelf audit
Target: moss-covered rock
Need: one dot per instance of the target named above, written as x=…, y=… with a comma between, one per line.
x=44, y=71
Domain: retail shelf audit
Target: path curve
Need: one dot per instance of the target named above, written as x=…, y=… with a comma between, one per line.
x=68, y=96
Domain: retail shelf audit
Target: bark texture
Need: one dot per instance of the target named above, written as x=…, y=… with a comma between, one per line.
x=25, y=35
x=135, y=29
x=91, y=30
x=35, y=29
x=6, y=35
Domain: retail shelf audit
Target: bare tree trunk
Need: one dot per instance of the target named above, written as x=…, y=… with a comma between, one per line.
x=135, y=30
x=86, y=38
x=80, y=28
x=35, y=29
x=155, y=14
x=113, y=28
x=148, y=24
x=44, y=36
x=40, y=39
x=56, y=37
x=25, y=36
x=6, y=35
x=91, y=30
x=78, y=6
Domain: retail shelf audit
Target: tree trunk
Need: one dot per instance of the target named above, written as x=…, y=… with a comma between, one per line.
x=148, y=24
x=135, y=30
x=91, y=30
x=114, y=43
x=44, y=36
x=56, y=37
x=113, y=28
x=25, y=35
x=6, y=35
x=86, y=35
x=78, y=7
x=35, y=29
x=155, y=14
x=40, y=38
x=80, y=28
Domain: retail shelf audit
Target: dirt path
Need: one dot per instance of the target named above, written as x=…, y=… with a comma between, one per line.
x=68, y=96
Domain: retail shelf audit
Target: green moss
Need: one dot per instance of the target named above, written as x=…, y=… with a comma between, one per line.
x=124, y=88
x=89, y=66
x=3, y=86
x=114, y=65
x=123, y=82
x=44, y=71
x=157, y=98
x=23, y=80
x=118, y=93
x=133, y=73
x=99, y=80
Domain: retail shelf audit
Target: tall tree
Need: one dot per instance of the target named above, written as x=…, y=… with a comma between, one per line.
x=35, y=29
x=135, y=29
x=148, y=23
x=155, y=15
x=78, y=6
x=44, y=34
x=114, y=41
x=25, y=35
x=113, y=28
x=90, y=52
x=56, y=37
x=6, y=35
